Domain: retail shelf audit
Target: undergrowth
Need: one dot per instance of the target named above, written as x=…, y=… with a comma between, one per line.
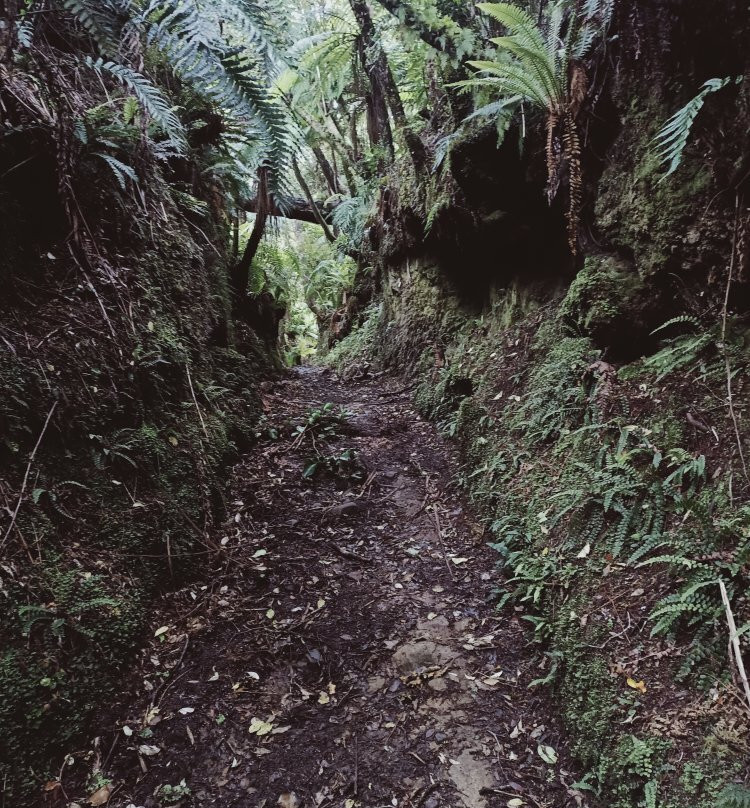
x=614, y=519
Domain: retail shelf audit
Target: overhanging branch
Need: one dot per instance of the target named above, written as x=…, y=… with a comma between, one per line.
x=296, y=208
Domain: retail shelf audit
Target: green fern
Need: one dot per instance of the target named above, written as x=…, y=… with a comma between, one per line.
x=122, y=171
x=190, y=37
x=672, y=138
x=734, y=796
x=148, y=95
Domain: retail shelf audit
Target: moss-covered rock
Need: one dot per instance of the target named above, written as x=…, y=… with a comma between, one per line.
x=610, y=302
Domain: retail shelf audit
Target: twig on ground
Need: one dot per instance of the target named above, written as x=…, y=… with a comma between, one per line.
x=195, y=401
x=26, y=475
x=440, y=540
x=727, y=366
x=734, y=642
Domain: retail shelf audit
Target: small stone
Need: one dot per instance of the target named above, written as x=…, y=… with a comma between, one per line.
x=438, y=684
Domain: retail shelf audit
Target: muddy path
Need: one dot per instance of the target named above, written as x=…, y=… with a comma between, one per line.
x=345, y=649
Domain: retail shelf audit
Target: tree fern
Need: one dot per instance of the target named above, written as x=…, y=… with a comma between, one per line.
x=535, y=64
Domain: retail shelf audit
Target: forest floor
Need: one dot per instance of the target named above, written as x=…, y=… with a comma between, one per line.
x=345, y=649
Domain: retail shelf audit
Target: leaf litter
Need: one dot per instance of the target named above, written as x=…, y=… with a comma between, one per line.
x=343, y=650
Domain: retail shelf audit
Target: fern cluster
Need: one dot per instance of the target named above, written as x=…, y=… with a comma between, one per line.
x=226, y=52
x=543, y=64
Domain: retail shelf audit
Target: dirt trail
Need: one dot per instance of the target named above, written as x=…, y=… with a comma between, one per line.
x=346, y=651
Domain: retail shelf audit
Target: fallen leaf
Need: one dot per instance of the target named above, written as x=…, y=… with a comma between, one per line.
x=289, y=800
x=259, y=728
x=516, y=802
x=148, y=749
x=213, y=677
x=547, y=754
x=101, y=795
x=586, y=550
x=127, y=731
x=636, y=685
x=186, y=710
x=458, y=561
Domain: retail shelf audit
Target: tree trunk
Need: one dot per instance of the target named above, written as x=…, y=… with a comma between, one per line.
x=383, y=82
x=296, y=208
x=327, y=169
x=315, y=210
x=8, y=37
x=378, y=123
x=241, y=271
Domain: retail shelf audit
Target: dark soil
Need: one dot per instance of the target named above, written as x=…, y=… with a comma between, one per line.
x=344, y=649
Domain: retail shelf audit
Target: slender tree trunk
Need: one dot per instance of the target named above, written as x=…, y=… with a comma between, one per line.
x=241, y=271
x=378, y=123
x=327, y=169
x=236, y=235
x=414, y=145
x=316, y=211
x=8, y=37
x=383, y=82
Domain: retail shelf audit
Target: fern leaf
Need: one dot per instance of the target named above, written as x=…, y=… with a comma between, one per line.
x=119, y=169
x=149, y=96
x=516, y=20
x=673, y=136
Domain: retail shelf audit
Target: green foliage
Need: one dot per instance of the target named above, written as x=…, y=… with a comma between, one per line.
x=153, y=100
x=633, y=771
x=189, y=37
x=322, y=422
x=169, y=795
x=556, y=395
x=358, y=347
x=699, y=350
x=672, y=138
x=537, y=67
x=734, y=796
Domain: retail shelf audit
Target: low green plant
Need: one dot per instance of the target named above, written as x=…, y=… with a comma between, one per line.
x=171, y=795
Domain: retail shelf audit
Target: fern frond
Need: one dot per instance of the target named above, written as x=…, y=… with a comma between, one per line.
x=121, y=170
x=101, y=19
x=673, y=136
x=517, y=21
x=149, y=96
x=512, y=79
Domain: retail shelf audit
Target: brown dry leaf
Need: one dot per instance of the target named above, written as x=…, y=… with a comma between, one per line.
x=288, y=800
x=101, y=795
